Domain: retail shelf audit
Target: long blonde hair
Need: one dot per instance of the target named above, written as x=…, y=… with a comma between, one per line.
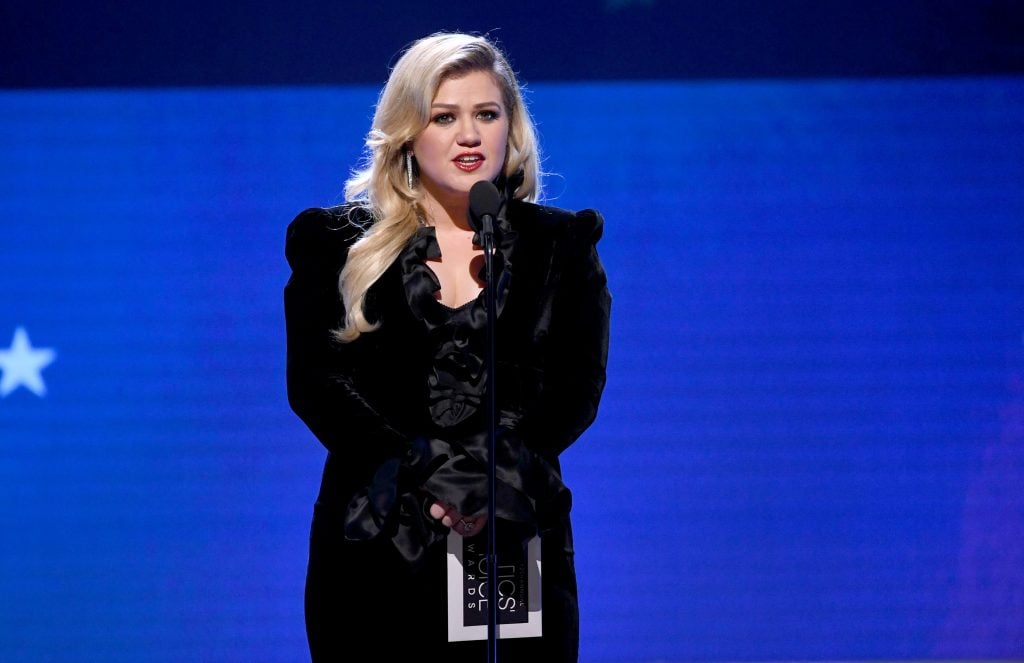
x=380, y=186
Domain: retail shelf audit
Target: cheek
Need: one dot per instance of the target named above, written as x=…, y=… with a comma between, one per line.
x=501, y=143
x=429, y=141
x=421, y=145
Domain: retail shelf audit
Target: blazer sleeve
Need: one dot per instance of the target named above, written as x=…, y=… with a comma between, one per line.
x=321, y=390
x=577, y=356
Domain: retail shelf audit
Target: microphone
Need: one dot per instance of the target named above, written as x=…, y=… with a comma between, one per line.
x=484, y=204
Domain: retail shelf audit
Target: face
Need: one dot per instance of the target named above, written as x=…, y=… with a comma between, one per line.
x=465, y=140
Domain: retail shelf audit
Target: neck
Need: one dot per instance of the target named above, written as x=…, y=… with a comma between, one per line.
x=447, y=213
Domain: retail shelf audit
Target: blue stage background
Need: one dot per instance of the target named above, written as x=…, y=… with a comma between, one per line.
x=810, y=447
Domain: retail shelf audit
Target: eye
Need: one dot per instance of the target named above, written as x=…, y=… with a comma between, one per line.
x=442, y=118
x=488, y=115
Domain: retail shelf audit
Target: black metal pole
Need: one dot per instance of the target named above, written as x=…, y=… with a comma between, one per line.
x=492, y=539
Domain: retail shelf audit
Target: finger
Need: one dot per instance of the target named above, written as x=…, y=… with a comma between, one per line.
x=437, y=510
x=451, y=516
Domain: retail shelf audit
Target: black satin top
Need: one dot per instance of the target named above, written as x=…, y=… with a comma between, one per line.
x=449, y=461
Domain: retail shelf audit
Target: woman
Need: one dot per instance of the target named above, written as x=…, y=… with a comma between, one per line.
x=386, y=330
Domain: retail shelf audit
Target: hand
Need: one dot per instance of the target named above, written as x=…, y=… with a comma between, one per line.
x=460, y=524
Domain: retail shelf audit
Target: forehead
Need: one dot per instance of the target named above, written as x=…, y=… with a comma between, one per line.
x=470, y=88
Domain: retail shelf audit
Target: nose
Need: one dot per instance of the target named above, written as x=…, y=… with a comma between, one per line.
x=468, y=135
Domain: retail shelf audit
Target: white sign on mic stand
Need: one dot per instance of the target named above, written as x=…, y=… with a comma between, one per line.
x=519, y=590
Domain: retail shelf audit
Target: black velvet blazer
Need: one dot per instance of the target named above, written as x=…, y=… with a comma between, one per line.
x=366, y=401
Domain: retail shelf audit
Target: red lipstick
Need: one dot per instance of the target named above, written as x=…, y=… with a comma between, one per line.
x=469, y=161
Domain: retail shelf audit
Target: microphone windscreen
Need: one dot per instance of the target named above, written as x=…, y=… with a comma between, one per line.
x=484, y=200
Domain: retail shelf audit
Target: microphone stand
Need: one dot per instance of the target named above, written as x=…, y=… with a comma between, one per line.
x=492, y=540
x=484, y=206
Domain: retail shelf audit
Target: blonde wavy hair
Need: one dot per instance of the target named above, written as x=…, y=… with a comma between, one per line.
x=402, y=112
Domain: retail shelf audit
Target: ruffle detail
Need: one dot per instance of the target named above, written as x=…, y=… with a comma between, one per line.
x=421, y=283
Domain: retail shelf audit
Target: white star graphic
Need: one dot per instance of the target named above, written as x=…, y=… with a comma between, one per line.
x=22, y=365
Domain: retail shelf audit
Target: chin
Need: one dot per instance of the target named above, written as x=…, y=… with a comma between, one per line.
x=463, y=187
x=476, y=177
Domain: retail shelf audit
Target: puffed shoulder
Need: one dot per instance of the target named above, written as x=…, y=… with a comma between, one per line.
x=587, y=226
x=319, y=237
x=584, y=227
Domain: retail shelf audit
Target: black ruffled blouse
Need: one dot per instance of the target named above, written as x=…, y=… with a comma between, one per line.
x=449, y=462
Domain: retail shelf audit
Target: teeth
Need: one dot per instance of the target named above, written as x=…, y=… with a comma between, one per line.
x=468, y=159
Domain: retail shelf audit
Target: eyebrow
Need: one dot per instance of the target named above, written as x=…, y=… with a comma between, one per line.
x=479, y=105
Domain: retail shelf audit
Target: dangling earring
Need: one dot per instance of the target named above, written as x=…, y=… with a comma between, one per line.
x=408, y=168
x=411, y=182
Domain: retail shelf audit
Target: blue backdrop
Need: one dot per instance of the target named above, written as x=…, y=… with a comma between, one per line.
x=812, y=441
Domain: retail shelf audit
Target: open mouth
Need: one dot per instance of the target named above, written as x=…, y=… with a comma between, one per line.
x=468, y=162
